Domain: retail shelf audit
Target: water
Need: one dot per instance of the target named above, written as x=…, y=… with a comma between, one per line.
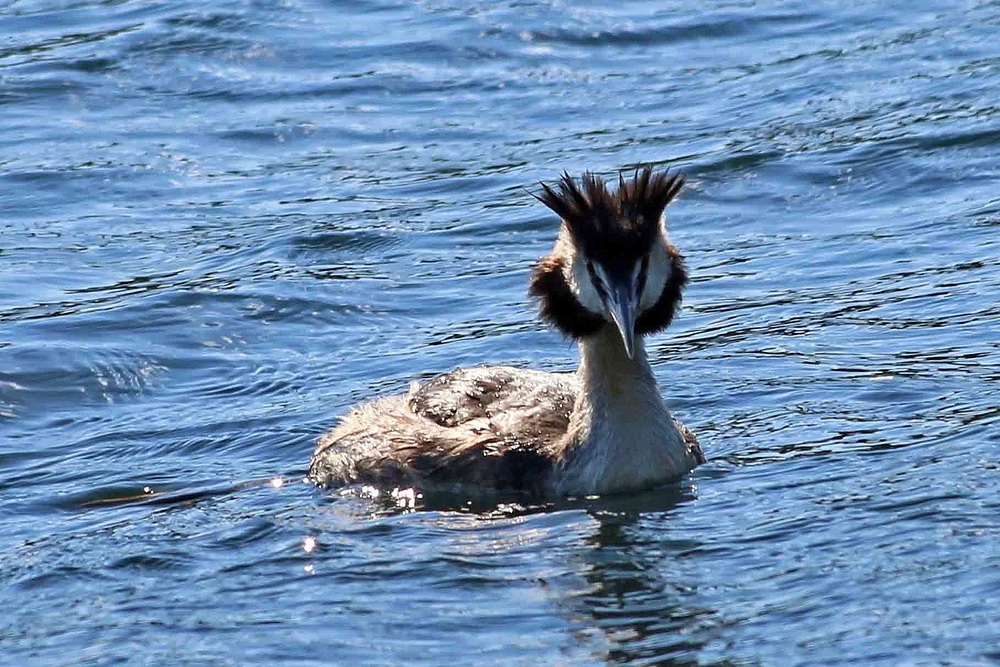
x=222, y=224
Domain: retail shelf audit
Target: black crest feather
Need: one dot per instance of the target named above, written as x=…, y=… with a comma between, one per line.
x=613, y=227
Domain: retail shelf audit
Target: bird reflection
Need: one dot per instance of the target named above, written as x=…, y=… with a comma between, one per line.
x=644, y=608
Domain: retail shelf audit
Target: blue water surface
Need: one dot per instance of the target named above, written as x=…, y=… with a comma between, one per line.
x=222, y=224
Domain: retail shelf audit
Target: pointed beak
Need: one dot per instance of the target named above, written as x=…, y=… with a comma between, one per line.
x=621, y=304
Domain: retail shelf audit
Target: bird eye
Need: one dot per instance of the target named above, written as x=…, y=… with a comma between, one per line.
x=596, y=279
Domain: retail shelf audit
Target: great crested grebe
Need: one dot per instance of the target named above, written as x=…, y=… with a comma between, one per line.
x=612, y=278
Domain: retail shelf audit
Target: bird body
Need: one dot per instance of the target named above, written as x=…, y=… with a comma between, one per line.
x=612, y=278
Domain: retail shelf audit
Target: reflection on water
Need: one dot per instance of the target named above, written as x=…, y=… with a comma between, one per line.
x=646, y=614
x=646, y=607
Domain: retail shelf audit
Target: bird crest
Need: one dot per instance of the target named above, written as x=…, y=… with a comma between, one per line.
x=613, y=226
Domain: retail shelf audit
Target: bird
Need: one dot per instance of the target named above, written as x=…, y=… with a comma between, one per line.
x=612, y=278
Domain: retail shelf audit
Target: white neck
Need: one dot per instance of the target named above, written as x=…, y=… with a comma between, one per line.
x=621, y=435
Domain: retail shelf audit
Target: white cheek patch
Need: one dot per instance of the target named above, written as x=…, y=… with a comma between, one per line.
x=657, y=274
x=583, y=287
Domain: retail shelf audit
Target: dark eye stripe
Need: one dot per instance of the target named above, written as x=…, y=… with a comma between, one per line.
x=640, y=283
x=594, y=278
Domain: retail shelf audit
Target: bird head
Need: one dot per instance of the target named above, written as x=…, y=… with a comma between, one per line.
x=612, y=264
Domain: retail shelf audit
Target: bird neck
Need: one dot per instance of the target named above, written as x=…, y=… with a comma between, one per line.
x=609, y=379
x=621, y=435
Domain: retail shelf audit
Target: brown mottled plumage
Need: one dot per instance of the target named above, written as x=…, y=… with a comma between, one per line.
x=612, y=276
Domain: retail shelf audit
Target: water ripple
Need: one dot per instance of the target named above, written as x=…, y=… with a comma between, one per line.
x=223, y=226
